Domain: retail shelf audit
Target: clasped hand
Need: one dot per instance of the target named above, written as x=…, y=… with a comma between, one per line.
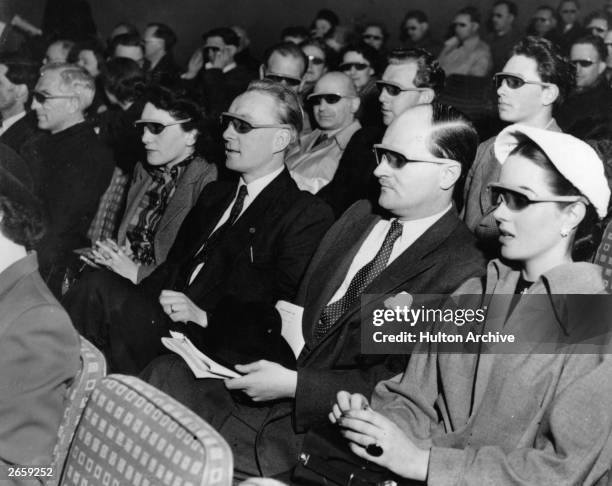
x=264, y=380
x=116, y=258
x=364, y=427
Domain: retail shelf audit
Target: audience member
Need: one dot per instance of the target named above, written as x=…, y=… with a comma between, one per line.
x=570, y=29
x=361, y=63
x=586, y=111
x=243, y=247
x=243, y=56
x=285, y=63
x=316, y=52
x=504, y=33
x=39, y=348
x=130, y=46
x=58, y=51
x=465, y=53
x=534, y=80
x=341, y=37
x=608, y=45
x=120, y=29
x=415, y=33
x=90, y=56
x=544, y=24
x=375, y=35
x=75, y=166
x=324, y=23
x=296, y=34
x=415, y=244
x=314, y=161
x=596, y=23
x=158, y=40
x=495, y=416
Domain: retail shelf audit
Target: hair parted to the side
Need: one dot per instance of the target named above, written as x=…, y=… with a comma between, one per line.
x=287, y=49
x=429, y=73
x=73, y=80
x=124, y=79
x=178, y=105
x=289, y=107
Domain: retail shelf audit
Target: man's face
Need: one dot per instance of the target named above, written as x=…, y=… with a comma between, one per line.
x=135, y=53
x=524, y=103
x=373, y=36
x=54, y=113
x=333, y=116
x=464, y=27
x=588, y=64
x=8, y=91
x=316, y=63
x=598, y=27
x=411, y=191
x=88, y=61
x=152, y=45
x=569, y=12
x=321, y=27
x=55, y=53
x=171, y=145
x=401, y=75
x=543, y=21
x=415, y=30
x=286, y=70
x=501, y=18
x=251, y=154
x=213, y=47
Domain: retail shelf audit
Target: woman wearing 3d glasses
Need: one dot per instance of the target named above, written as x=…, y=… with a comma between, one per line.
x=162, y=191
x=538, y=417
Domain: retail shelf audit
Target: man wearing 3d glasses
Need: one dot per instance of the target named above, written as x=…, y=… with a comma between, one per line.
x=533, y=82
x=335, y=103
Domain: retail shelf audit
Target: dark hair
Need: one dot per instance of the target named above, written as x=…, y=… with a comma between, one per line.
x=320, y=45
x=453, y=137
x=124, y=79
x=88, y=45
x=367, y=52
x=597, y=43
x=511, y=6
x=549, y=8
x=175, y=102
x=552, y=66
x=295, y=31
x=558, y=185
x=595, y=15
x=473, y=13
x=290, y=110
x=21, y=223
x=328, y=15
x=418, y=15
x=230, y=38
x=380, y=26
x=21, y=70
x=165, y=33
x=429, y=73
x=132, y=40
x=287, y=49
x=131, y=29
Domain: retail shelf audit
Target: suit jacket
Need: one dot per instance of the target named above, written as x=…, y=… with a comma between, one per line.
x=437, y=262
x=39, y=355
x=20, y=136
x=188, y=188
x=534, y=417
x=260, y=260
x=217, y=89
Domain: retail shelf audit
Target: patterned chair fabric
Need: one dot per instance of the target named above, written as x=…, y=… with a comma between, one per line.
x=133, y=434
x=93, y=368
x=603, y=256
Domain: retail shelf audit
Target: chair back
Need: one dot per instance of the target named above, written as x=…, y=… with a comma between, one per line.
x=603, y=257
x=133, y=434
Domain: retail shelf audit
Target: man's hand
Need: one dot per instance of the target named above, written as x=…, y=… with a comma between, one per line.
x=196, y=61
x=181, y=308
x=264, y=380
x=221, y=58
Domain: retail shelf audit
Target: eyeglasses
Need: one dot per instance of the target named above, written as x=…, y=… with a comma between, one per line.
x=585, y=63
x=599, y=30
x=371, y=37
x=279, y=78
x=329, y=98
x=517, y=199
x=459, y=24
x=317, y=61
x=397, y=160
x=393, y=89
x=42, y=97
x=156, y=127
x=211, y=48
x=243, y=126
x=514, y=81
x=540, y=19
x=359, y=66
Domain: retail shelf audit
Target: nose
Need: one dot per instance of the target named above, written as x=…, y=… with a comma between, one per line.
x=147, y=136
x=229, y=133
x=382, y=168
x=503, y=86
x=501, y=212
x=35, y=104
x=383, y=96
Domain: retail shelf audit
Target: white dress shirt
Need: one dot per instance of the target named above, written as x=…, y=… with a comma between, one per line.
x=411, y=231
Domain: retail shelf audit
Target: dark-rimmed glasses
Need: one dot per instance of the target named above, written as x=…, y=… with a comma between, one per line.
x=359, y=66
x=517, y=198
x=372, y=37
x=393, y=89
x=317, y=61
x=514, y=81
x=397, y=160
x=329, y=98
x=156, y=127
x=279, y=78
x=242, y=126
x=585, y=63
x=40, y=97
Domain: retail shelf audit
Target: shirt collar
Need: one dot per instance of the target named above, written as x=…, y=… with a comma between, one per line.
x=426, y=222
x=343, y=135
x=11, y=120
x=258, y=185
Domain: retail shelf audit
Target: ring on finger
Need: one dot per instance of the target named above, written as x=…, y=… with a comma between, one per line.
x=374, y=450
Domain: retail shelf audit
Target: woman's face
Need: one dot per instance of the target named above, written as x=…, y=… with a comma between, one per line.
x=316, y=63
x=532, y=234
x=321, y=27
x=357, y=67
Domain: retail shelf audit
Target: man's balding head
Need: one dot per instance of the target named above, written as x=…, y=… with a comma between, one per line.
x=335, y=101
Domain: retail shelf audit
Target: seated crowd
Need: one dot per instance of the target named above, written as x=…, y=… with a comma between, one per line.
x=140, y=198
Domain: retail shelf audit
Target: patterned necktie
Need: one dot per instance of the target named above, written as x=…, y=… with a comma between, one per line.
x=361, y=280
x=202, y=254
x=320, y=139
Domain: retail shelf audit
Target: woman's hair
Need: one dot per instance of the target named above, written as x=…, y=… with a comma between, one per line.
x=178, y=104
x=124, y=79
x=588, y=231
x=20, y=223
x=368, y=53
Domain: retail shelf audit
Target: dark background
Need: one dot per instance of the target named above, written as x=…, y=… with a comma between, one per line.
x=264, y=19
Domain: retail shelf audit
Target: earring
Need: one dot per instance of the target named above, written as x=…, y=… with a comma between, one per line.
x=564, y=233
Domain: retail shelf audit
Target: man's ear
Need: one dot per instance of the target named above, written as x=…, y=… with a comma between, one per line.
x=21, y=92
x=601, y=67
x=426, y=96
x=450, y=175
x=75, y=104
x=282, y=139
x=355, y=104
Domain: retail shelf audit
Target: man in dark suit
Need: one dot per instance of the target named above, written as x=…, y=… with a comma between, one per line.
x=415, y=243
x=158, y=40
x=242, y=248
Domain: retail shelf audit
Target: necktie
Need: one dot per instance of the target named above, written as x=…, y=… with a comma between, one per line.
x=320, y=139
x=361, y=280
x=204, y=251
